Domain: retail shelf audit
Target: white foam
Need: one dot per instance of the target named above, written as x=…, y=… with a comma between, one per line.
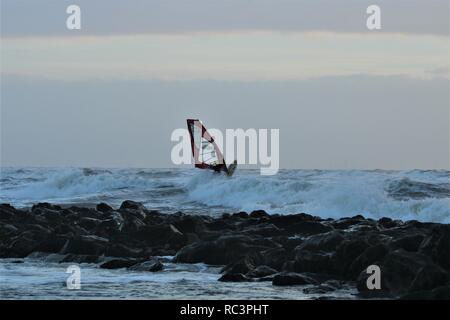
x=327, y=194
x=324, y=193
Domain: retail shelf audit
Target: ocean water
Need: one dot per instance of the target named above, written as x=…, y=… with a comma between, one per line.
x=44, y=279
x=417, y=194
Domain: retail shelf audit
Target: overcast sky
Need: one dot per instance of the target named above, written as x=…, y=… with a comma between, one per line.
x=111, y=93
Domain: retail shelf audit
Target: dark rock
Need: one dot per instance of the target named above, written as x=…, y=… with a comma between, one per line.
x=131, y=224
x=316, y=262
x=291, y=278
x=103, y=207
x=86, y=244
x=398, y=270
x=242, y=215
x=152, y=265
x=88, y=223
x=347, y=252
x=307, y=228
x=6, y=230
x=264, y=230
x=259, y=214
x=261, y=271
x=284, y=221
x=322, y=242
x=20, y=247
x=133, y=205
x=190, y=224
x=164, y=234
x=234, y=277
x=222, y=251
x=387, y=223
x=437, y=246
x=275, y=257
x=439, y=293
x=81, y=258
x=123, y=251
x=118, y=263
x=45, y=205
x=51, y=244
x=242, y=265
x=370, y=256
x=45, y=214
x=430, y=276
x=409, y=242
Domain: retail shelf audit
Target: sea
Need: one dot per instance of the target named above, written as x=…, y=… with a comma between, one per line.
x=422, y=195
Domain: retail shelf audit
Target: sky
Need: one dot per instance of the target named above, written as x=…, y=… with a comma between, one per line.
x=110, y=94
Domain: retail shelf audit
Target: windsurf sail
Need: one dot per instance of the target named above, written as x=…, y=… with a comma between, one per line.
x=205, y=151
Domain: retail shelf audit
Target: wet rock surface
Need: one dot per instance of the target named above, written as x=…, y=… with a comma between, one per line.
x=318, y=255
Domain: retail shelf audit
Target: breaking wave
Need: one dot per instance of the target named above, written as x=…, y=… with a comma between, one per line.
x=419, y=195
x=329, y=194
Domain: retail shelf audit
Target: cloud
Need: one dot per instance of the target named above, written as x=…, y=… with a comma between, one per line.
x=112, y=17
x=350, y=122
x=226, y=56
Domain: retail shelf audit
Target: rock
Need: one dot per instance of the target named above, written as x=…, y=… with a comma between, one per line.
x=234, y=277
x=291, y=278
x=7, y=211
x=308, y=228
x=322, y=242
x=152, y=265
x=123, y=251
x=437, y=246
x=242, y=215
x=51, y=244
x=86, y=244
x=399, y=268
x=387, y=223
x=316, y=262
x=439, y=293
x=163, y=234
x=370, y=256
x=261, y=271
x=409, y=242
x=346, y=223
x=430, y=276
x=190, y=224
x=133, y=205
x=118, y=263
x=6, y=230
x=20, y=247
x=243, y=265
x=132, y=224
x=347, y=252
x=88, y=223
x=259, y=214
x=103, y=207
x=224, y=250
x=275, y=257
x=81, y=258
x=284, y=221
x=45, y=214
x=45, y=205
x=265, y=230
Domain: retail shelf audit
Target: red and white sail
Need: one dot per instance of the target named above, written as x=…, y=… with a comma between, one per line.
x=205, y=151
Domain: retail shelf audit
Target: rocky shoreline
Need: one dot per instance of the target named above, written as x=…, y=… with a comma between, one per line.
x=297, y=249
